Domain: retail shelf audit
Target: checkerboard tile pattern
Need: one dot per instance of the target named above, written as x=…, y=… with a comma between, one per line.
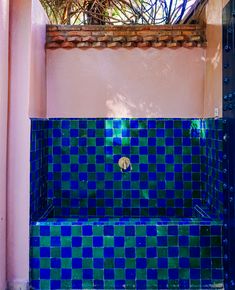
x=84, y=178
x=212, y=166
x=74, y=167
x=135, y=255
x=38, y=169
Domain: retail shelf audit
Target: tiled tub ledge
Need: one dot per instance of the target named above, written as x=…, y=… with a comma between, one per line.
x=156, y=254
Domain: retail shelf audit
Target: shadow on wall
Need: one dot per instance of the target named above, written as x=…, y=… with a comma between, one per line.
x=117, y=83
x=216, y=59
x=121, y=106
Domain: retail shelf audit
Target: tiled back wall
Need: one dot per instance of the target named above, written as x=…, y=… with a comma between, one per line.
x=167, y=157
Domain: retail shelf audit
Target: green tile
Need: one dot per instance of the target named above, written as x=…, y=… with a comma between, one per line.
x=130, y=284
x=87, y=263
x=66, y=241
x=45, y=284
x=162, y=252
x=173, y=263
x=120, y=231
x=172, y=240
x=130, y=242
x=45, y=263
x=109, y=263
x=77, y=252
x=184, y=252
x=35, y=274
x=98, y=274
x=194, y=263
x=151, y=241
x=205, y=252
x=140, y=252
x=119, y=274
x=109, y=284
x=152, y=263
x=194, y=241
x=87, y=241
x=162, y=230
x=97, y=253
x=173, y=284
x=184, y=274
x=35, y=252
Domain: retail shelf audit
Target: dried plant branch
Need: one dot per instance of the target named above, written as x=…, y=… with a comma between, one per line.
x=110, y=12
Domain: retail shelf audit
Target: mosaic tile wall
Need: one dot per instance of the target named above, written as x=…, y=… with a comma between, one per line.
x=212, y=166
x=170, y=159
x=84, y=178
x=176, y=165
x=38, y=169
x=154, y=255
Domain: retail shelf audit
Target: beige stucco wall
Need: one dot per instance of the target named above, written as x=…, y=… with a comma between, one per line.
x=213, y=69
x=125, y=83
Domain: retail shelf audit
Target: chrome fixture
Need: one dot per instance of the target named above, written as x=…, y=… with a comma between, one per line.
x=124, y=163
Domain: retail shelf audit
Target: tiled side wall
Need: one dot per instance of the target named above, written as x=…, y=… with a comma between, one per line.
x=84, y=178
x=39, y=168
x=170, y=158
x=212, y=166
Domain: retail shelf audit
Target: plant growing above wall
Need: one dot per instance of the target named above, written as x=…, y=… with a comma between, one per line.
x=116, y=12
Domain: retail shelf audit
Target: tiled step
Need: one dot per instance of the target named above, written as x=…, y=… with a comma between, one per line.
x=138, y=254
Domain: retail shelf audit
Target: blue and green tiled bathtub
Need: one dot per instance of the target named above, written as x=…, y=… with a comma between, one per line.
x=157, y=226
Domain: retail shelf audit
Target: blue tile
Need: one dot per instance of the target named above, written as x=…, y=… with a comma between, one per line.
x=87, y=252
x=45, y=252
x=98, y=263
x=108, y=230
x=130, y=274
x=108, y=252
x=151, y=274
x=119, y=241
x=88, y=274
x=45, y=231
x=55, y=284
x=77, y=263
x=130, y=252
x=119, y=263
x=55, y=263
x=66, y=231
x=173, y=274
x=44, y=274
x=66, y=252
x=97, y=241
x=141, y=263
x=109, y=274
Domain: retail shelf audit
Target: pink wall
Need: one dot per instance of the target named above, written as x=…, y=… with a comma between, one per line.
x=4, y=31
x=27, y=76
x=125, y=83
x=213, y=75
x=37, y=104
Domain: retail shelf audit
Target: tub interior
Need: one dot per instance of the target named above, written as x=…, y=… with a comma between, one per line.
x=156, y=226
